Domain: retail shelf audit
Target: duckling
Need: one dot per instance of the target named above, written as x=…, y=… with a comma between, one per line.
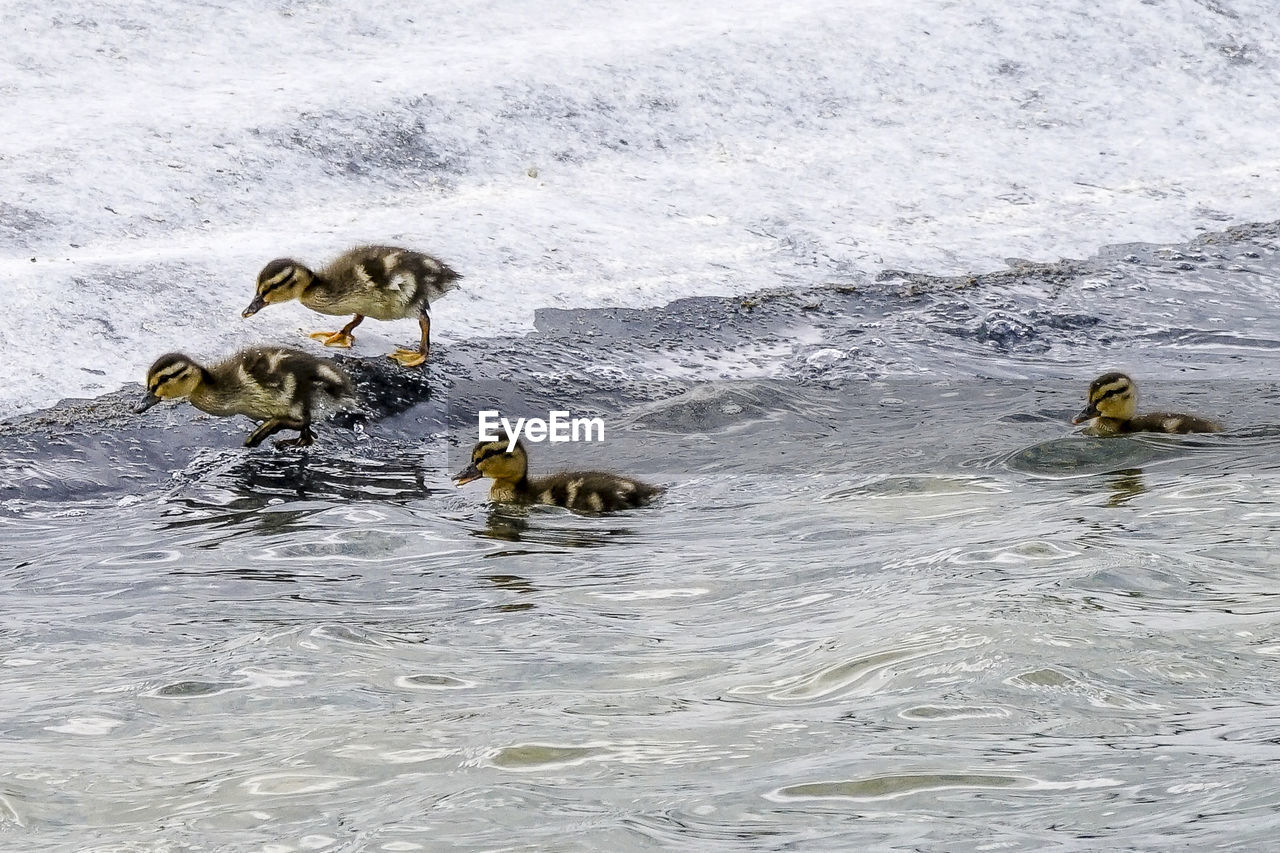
x=1113, y=410
x=584, y=491
x=281, y=388
x=382, y=282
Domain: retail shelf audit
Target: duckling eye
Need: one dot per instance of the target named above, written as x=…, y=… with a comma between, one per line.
x=277, y=281
x=488, y=453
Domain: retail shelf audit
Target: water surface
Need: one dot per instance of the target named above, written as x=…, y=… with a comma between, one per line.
x=889, y=600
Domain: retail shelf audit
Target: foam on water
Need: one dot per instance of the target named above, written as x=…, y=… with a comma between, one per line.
x=589, y=154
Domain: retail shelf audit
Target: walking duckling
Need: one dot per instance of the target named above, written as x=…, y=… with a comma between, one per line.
x=382, y=282
x=282, y=388
x=1113, y=410
x=583, y=491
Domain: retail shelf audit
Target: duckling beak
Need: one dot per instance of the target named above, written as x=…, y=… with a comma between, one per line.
x=146, y=403
x=1088, y=413
x=254, y=307
x=467, y=475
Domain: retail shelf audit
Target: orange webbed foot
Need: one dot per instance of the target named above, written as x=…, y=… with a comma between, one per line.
x=408, y=357
x=334, y=339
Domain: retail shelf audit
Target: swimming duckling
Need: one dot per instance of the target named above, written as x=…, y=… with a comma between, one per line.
x=382, y=282
x=1113, y=410
x=584, y=491
x=280, y=387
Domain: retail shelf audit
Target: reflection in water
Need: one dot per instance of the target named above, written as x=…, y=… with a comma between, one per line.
x=1125, y=486
x=240, y=491
x=515, y=584
x=325, y=478
x=543, y=525
x=507, y=523
x=239, y=513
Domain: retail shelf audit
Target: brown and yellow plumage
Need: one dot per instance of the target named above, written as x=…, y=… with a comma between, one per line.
x=582, y=491
x=1113, y=410
x=382, y=282
x=282, y=388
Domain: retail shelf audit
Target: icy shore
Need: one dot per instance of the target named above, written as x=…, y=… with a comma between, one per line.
x=590, y=154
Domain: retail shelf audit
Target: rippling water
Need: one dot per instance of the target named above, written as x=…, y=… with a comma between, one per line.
x=875, y=608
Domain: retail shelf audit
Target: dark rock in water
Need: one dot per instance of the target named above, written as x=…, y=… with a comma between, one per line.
x=1005, y=330
x=383, y=387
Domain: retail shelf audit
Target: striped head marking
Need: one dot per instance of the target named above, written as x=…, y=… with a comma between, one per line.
x=172, y=376
x=1111, y=395
x=281, y=280
x=491, y=459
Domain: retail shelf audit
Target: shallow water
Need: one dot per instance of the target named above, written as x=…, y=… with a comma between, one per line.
x=880, y=606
